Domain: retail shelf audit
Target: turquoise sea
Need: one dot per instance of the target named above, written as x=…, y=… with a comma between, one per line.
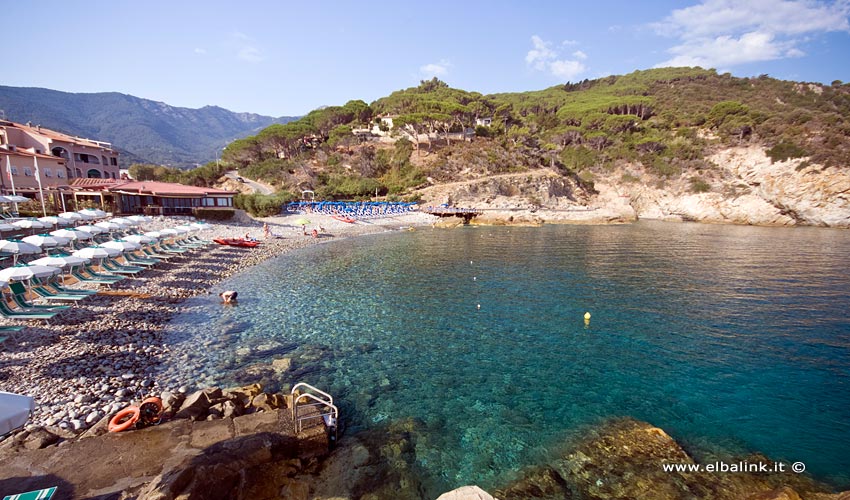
x=733, y=339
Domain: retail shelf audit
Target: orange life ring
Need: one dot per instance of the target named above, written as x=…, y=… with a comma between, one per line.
x=130, y=413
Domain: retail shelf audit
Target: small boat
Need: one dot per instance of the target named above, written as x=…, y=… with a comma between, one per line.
x=343, y=218
x=237, y=242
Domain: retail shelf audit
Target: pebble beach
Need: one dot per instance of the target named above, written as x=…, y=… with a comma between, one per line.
x=105, y=352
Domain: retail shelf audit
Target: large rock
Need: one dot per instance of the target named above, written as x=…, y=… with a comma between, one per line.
x=253, y=456
x=624, y=460
x=196, y=405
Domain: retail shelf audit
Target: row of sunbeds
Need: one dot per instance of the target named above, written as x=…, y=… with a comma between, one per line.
x=16, y=304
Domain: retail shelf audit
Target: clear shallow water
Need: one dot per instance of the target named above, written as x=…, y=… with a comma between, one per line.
x=730, y=337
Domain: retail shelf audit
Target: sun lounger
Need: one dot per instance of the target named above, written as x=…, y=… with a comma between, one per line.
x=45, y=494
x=100, y=279
x=57, y=288
x=115, y=267
x=155, y=255
x=19, y=296
x=46, y=294
x=8, y=312
x=136, y=260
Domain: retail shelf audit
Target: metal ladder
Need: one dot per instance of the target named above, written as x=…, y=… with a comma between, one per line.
x=314, y=398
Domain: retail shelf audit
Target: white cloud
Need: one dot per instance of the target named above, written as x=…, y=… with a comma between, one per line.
x=250, y=54
x=731, y=32
x=435, y=69
x=540, y=55
x=566, y=69
x=245, y=48
x=200, y=51
x=543, y=58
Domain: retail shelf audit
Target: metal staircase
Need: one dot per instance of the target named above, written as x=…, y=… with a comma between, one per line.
x=309, y=403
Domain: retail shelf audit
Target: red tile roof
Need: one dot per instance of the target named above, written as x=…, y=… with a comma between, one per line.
x=59, y=136
x=95, y=184
x=28, y=154
x=167, y=189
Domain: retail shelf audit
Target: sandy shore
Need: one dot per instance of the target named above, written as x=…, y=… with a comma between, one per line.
x=105, y=352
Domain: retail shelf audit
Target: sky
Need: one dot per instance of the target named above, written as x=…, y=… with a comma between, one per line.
x=286, y=58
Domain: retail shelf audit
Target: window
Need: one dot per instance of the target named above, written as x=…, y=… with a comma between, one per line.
x=27, y=171
x=60, y=174
x=93, y=173
x=14, y=170
x=113, y=161
x=48, y=172
x=79, y=172
x=113, y=175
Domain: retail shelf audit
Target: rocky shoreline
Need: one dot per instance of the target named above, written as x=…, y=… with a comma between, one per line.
x=97, y=357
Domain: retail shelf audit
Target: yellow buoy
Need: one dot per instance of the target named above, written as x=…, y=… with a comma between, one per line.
x=587, y=316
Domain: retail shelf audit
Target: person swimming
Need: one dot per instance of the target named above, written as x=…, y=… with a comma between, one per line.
x=228, y=296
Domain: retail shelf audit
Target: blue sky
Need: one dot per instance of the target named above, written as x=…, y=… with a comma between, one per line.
x=287, y=58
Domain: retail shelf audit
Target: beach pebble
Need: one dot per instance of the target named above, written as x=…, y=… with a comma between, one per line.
x=93, y=417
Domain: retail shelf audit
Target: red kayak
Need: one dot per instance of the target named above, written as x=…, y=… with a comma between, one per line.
x=343, y=218
x=237, y=242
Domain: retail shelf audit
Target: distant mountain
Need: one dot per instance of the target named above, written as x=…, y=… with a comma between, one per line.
x=144, y=131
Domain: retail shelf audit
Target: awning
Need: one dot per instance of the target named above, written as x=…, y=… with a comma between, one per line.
x=14, y=411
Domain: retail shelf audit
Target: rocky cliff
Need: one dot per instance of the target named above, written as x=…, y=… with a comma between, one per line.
x=746, y=187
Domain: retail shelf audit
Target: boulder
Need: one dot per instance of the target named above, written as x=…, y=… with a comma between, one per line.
x=196, y=405
x=623, y=459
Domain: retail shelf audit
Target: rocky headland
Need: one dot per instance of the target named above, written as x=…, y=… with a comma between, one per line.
x=745, y=188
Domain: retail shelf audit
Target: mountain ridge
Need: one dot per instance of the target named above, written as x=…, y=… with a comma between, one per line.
x=143, y=130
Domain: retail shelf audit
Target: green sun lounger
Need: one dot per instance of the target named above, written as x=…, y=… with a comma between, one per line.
x=45, y=494
x=55, y=287
x=100, y=280
x=8, y=312
x=19, y=296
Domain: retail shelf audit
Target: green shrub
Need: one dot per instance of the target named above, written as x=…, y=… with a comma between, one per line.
x=262, y=205
x=629, y=179
x=784, y=151
x=699, y=186
x=210, y=213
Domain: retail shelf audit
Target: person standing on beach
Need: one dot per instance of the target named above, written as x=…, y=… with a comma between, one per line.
x=266, y=231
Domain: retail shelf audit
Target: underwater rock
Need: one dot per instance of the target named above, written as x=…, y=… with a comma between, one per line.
x=624, y=458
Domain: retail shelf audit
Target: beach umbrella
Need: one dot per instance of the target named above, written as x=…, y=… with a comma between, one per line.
x=30, y=224
x=17, y=247
x=16, y=198
x=4, y=199
x=139, y=218
x=122, y=221
x=91, y=229
x=92, y=212
x=25, y=272
x=61, y=261
x=45, y=240
x=71, y=234
x=180, y=229
x=124, y=246
x=302, y=221
x=72, y=216
x=55, y=221
x=201, y=225
x=154, y=234
x=15, y=410
x=168, y=232
x=97, y=252
x=139, y=238
x=8, y=227
x=109, y=226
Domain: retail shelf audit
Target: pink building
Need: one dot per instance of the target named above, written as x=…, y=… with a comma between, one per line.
x=29, y=154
